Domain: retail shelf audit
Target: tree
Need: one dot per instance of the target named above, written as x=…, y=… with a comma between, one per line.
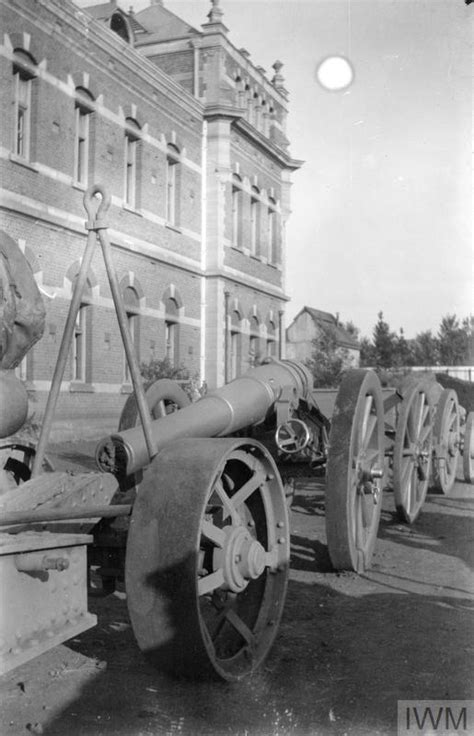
x=426, y=349
x=367, y=353
x=404, y=350
x=156, y=369
x=351, y=329
x=385, y=344
x=453, y=341
x=328, y=361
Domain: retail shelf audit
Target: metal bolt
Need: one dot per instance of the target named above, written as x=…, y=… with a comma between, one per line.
x=280, y=524
x=281, y=540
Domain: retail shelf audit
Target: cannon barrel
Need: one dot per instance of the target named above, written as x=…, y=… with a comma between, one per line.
x=241, y=403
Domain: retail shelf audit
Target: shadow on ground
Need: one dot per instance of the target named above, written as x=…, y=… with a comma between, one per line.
x=339, y=665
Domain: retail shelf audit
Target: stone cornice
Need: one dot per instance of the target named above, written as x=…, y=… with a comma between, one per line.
x=265, y=144
x=249, y=282
x=236, y=116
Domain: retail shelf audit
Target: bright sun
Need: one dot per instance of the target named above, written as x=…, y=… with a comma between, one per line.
x=335, y=73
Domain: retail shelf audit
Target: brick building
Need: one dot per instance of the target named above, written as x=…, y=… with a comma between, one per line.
x=189, y=138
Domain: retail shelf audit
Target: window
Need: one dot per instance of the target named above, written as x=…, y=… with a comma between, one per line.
x=272, y=232
x=172, y=160
x=132, y=133
x=271, y=342
x=119, y=25
x=82, y=145
x=79, y=344
x=82, y=136
x=236, y=211
x=132, y=309
x=235, y=345
x=172, y=331
x=256, y=110
x=254, y=221
x=23, y=77
x=254, y=342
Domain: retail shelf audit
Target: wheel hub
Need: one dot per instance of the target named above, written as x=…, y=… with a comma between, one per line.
x=242, y=558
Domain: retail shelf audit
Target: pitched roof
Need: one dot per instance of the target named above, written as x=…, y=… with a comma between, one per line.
x=164, y=24
x=344, y=338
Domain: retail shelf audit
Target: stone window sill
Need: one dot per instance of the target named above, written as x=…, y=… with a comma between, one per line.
x=81, y=388
x=23, y=162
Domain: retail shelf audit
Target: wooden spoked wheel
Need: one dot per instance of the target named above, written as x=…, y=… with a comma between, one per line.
x=207, y=558
x=355, y=471
x=468, y=449
x=412, y=452
x=447, y=440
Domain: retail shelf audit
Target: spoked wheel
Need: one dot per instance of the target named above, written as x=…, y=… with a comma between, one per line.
x=447, y=438
x=412, y=452
x=354, y=471
x=207, y=557
x=16, y=461
x=468, y=449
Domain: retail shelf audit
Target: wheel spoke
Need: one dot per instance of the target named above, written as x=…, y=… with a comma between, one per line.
x=363, y=428
x=419, y=411
x=247, y=489
x=369, y=431
x=289, y=441
x=359, y=524
x=211, y=582
x=406, y=471
x=229, y=508
x=241, y=627
x=159, y=410
x=371, y=454
x=213, y=533
x=425, y=433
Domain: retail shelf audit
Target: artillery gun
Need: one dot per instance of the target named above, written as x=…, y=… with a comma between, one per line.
x=207, y=529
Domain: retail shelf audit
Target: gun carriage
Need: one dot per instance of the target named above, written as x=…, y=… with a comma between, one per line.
x=196, y=490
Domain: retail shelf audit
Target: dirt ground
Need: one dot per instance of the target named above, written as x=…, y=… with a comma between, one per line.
x=348, y=648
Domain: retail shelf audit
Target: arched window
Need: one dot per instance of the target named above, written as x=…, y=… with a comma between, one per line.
x=255, y=221
x=132, y=137
x=119, y=25
x=235, y=344
x=172, y=185
x=83, y=110
x=24, y=73
x=132, y=311
x=236, y=211
x=272, y=231
x=82, y=338
x=256, y=110
x=254, y=341
x=271, y=339
x=172, y=331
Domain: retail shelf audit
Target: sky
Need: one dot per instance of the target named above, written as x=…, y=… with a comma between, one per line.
x=382, y=207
